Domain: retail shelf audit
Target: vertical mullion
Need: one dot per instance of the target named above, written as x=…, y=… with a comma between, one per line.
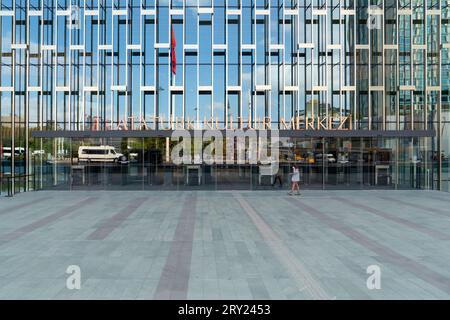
x=440, y=131
x=313, y=49
x=128, y=109
x=141, y=83
x=354, y=66
x=197, y=113
x=54, y=57
x=369, y=51
x=155, y=72
x=254, y=66
x=226, y=63
x=328, y=72
x=241, y=96
x=97, y=84
x=397, y=99
x=425, y=73
x=82, y=92
x=69, y=105
x=280, y=9
x=171, y=106
x=13, y=102
x=342, y=99
x=183, y=100
x=112, y=64
x=41, y=68
x=383, y=71
x=412, y=73
x=212, y=62
x=26, y=98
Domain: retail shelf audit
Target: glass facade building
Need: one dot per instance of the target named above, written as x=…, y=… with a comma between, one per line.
x=99, y=72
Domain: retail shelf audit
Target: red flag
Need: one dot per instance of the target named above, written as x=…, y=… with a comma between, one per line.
x=174, y=57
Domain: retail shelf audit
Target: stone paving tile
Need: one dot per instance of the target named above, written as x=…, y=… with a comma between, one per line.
x=231, y=257
x=242, y=290
x=226, y=289
x=195, y=291
x=211, y=289
x=258, y=288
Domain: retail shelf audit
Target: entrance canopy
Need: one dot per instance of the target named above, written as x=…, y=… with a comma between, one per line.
x=281, y=133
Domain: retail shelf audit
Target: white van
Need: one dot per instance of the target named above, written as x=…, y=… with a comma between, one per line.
x=98, y=154
x=6, y=152
x=18, y=151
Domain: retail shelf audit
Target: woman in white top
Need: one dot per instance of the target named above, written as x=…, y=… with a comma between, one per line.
x=295, y=180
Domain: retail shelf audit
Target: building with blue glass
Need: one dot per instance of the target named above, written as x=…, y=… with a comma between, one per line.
x=357, y=89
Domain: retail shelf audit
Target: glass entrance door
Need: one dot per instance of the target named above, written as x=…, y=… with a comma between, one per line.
x=343, y=163
x=308, y=155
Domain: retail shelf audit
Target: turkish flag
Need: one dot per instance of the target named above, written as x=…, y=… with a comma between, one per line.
x=174, y=57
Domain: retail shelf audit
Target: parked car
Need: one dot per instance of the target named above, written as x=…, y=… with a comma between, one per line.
x=133, y=155
x=328, y=157
x=38, y=153
x=151, y=156
x=123, y=160
x=98, y=154
x=286, y=154
x=343, y=159
x=304, y=157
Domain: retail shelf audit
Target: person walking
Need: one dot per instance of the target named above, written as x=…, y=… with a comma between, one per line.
x=278, y=177
x=295, y=180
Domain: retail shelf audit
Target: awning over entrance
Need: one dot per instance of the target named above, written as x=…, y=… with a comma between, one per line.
x=281, y=133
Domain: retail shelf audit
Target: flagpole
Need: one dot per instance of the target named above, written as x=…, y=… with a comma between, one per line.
x=172, y=73
x=170, y=117
x=172, y=98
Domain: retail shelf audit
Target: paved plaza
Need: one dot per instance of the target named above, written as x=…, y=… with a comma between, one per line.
x=225, y=245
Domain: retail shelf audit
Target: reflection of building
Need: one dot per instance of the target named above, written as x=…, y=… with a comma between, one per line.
x=445, y=133
x=6, y=121
x=247, y=59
